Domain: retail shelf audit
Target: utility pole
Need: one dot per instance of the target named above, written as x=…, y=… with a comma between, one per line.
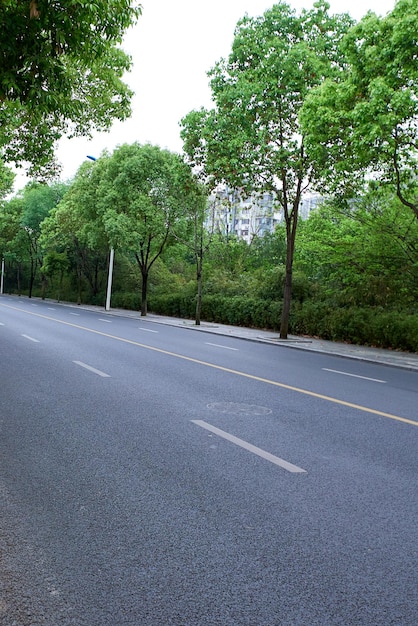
x=2, y=277
x=111, y=260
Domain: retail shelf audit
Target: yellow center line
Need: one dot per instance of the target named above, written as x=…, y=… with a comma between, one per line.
x=312, y=394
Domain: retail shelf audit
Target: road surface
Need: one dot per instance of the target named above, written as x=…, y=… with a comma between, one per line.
x=151, y=476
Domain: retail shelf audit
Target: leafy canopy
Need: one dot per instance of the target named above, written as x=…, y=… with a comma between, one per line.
x=60, y=73
x=362, y=122
x=252, y=140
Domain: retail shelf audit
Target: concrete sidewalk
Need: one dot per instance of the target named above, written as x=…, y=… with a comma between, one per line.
x=394, y=358
x=405, y=360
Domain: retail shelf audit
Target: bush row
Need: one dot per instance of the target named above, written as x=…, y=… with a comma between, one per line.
x=235, y=310
x=363, y=326
x=372, y=326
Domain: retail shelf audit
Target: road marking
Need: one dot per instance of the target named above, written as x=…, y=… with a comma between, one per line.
x=33, y=304
x=218, y=345
x=77, y=314
x=107, y=321
x=92, y=369
x=267, y=381
x=375, y=380
x=31, y=338
x=249, y=446
x=147, y=330
x=1, y=324
x=50, y=308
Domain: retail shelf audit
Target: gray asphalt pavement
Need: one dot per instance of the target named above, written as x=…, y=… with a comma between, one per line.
x=145, y=479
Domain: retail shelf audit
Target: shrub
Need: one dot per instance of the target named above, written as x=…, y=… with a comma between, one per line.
x=372, y=326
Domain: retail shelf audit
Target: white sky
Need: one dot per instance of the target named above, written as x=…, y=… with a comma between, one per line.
x=173, y=46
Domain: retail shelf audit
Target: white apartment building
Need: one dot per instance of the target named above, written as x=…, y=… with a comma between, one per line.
x=256, y=215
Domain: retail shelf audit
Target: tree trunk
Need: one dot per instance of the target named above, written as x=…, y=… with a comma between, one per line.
x=19, y=287
x=44, y=285
x=199, y=292
x=199, y=266
x=144, y=292
x=291, y=225
x=60, y=284
x=32, y=278
x=79, y=272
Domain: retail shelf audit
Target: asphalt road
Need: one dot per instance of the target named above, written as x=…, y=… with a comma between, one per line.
x=152, y=476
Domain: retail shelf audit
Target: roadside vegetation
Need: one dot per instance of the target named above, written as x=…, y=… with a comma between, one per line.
x=341, y=120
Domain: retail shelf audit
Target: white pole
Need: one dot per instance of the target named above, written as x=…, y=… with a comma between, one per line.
x=2, y=276
x=109, y=279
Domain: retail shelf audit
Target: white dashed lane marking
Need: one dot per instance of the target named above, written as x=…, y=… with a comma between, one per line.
x=218, y=345
x=249, y=446
x=31, y=338
x=375, y=380
x=92, y=369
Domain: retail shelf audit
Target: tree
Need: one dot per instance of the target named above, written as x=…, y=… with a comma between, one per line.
x=364, y=252
x=362, y=122
x=200, y=226
x=6, y=180
x=37, y=201
x=73, y=229
x=252, y=140
x=10, y=213
x=141, y=192
x=60, y=73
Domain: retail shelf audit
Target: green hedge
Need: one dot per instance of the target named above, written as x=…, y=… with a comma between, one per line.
x=235, y=310
x=371, y=326
x=174, y=305
x=126, y=300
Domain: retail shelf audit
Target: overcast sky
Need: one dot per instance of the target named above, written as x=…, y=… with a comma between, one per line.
x=173, y=46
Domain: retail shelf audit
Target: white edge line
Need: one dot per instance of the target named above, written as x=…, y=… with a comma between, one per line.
x=31, y=338
x=218, y=345
x=92, y=369
x=249, y=446
x=375, y=380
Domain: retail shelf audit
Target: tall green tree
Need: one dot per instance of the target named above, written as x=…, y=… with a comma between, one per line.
x=37, y=201
x=20, y=226
x=60, y=73
x=141, y=192
x=362, y=253
x=10, y=216
x=200, y=230
x=362, y=122
x=73, y=231
x=252, y=140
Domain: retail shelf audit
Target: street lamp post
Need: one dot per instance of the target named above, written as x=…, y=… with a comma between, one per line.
x=2, y=276
x=109, y=279
x=111, y=261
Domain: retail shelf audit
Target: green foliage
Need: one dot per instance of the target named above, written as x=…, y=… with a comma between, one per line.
x=362, y=122
x=270, y=249
x=61, y=73
x=364, y=252
x=20, y=225
x=364, y=326
x=237, y=310
x=140, y=194
x=252, y=140
x=6, y=180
